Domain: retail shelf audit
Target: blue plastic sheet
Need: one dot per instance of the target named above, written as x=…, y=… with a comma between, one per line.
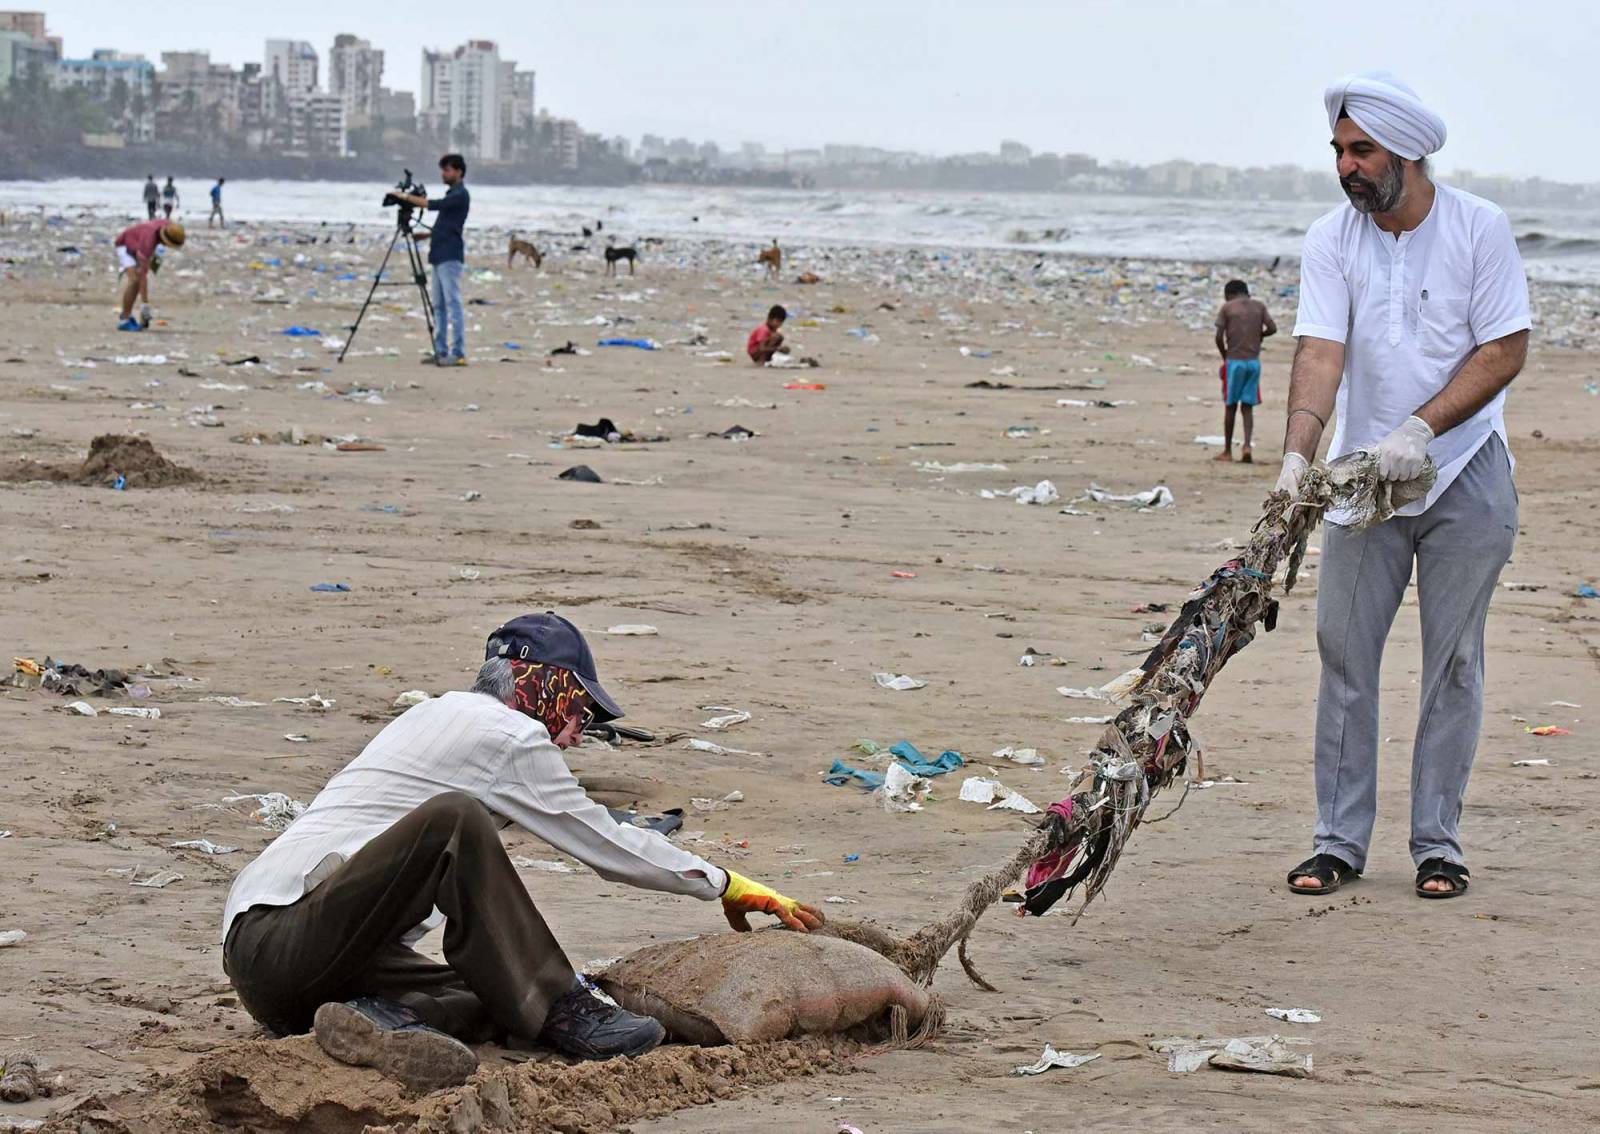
x=642, y=344
x=907, y=755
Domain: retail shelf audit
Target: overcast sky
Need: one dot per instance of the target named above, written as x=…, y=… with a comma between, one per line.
x=1237, y=83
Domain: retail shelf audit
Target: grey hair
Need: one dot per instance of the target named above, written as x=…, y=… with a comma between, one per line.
x=496, y=680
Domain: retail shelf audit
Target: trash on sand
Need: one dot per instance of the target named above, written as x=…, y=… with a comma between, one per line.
x=1294, y=1015
x=898, y=682
x=959, y=467
x=641, y=344
x=1586, y=590
x=841, y=773
x=148, y=714
x=700, y=803
x=582, y=473
x=733, y=717
x=1272, y=1055
x=1042, y=493
x=1531, y=764
x=1107, y=719
x=275, y=809
x=549, y=866
x=716, y=749
x=1027, y=757
x=1051, y=1059
x=312, y=701
x=234, y=702
x=632, y=630
x=1565, y=705
x=411, y=698
x=159, y=880
x=1016, y=801
x=10, y=937
x=1158, y=497
x=299, y=332
x=979, y=789
x=82, y=708
x=1089, y=694
x=332, y=588
x=205, y=846
x=1547, y=730
x=902, y=791
x=918, y=764
x=1212, y=440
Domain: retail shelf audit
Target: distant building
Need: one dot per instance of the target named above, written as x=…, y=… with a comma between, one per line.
x=464, y=92
x=32, y=25
x=22, y=54
x=292, y=64
x=397, y=109
x=517, y=109
x=123, y=84
x=355, y=74
x=1015, y=153
x=196, y=97
x=317, y=124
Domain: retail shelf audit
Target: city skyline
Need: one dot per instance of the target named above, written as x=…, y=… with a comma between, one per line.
x=941, y=82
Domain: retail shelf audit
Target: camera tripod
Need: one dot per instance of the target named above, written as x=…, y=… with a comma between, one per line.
x=419, y=276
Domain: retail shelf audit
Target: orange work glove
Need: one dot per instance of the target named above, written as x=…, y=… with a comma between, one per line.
x=742, y=897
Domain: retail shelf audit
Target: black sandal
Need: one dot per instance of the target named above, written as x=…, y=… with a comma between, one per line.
x=1331, y=870
x=1452, y=872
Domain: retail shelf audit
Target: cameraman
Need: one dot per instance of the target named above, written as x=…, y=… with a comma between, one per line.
x=447, y=254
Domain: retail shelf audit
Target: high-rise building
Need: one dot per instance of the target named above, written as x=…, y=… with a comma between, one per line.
x=292, y=63
x=32, y=25
x=355, y=73
x=461, y=92
x=317, y=124
x=22, y=55
x=123, y=84
x=433, y=100
x=195, y=95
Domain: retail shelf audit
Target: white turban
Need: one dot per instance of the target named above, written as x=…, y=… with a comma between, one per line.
x=1387, y=109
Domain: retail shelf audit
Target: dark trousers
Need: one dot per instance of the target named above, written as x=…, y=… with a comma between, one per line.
x=504, y=968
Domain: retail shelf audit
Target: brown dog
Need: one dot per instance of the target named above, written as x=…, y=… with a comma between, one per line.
x=527, y=249
x=772, y=258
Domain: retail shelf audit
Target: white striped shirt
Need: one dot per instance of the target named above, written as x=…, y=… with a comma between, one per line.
x=471, y=743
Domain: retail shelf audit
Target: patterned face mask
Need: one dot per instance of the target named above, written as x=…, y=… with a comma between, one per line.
x=550, y=695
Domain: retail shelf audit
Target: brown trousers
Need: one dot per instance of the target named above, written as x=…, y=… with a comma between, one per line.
x=342, y=940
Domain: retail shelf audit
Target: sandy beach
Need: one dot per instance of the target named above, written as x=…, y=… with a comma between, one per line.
x=781, y=572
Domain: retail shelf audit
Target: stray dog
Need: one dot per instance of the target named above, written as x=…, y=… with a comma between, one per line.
x=772, y=258
x=615, y=254
x=527, y=250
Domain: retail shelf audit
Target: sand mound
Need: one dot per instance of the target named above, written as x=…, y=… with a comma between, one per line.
x=752, y=988
x=110, y=455
x=290, y=1085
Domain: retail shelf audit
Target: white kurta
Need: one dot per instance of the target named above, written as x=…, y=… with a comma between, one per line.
x=1410, y=311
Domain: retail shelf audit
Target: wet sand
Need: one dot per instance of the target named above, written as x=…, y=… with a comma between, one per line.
x=767, y=566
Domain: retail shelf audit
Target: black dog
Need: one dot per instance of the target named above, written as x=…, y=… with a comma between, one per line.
x=615, y=254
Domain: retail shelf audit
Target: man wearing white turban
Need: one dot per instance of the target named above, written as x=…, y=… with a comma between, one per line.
x=1413, y=321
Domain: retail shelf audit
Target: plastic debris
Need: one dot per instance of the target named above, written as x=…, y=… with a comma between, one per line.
x=332, y=588
x=1027, y=757
x=1051, y=1059
x=549, y=866
x=1158, y=497
x=902, y=791
x=640, y=344
x=633, y=630
x=1294, y=1015
x=234, y=702
x=275, y=809
x=733, y=716
x=1272, y=1055
x=147, y=714
x=1547, y=730
x=1107, y=719
x=204, y=846
x=717, y=749
x=898, y=682
x=10, y=937
x=1531, y=764
x=82, y=708
x=1089, y=694
x=1042, y=493
x=313, y=701
x=159, y=880
x=411, y=698
x=979, y=789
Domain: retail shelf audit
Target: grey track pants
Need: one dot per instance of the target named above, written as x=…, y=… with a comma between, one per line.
x=1459, y=545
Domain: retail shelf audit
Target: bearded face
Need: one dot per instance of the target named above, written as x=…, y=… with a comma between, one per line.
x=1381, y=196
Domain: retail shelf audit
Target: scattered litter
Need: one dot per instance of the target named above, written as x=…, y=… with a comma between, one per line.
x=898, y=682
x=1271, y=1055
x=632, y=630
x=733, y=717
x=1158, y=497
x=959, y=466
x=82, y=708
x=411, y=698
x=465, y=574
x=1212, y=440
x=979, y=789
x=1531, y=764
x=275, y=809
x=10, y=937
x=297, y=738
x=147, y=714
x=331, y=588
x=705, y=804
x=205, y=846
x=1016, y=801
x=1107, y=719
x=1294, y=1015
x=299, y=332
x=1513, y=586
x=1586, y=590
x=1051, y=1059
x=1564, y=705
x=1089, y=694
x=1548, y=730
x=549, y=866
x=902, y=791
x=583, y=474
x=1027, y=757
x=717, y=749
x=836, y=900
x=641, y=344
x=159, y=880
x=1042, y=493
x=233, y=702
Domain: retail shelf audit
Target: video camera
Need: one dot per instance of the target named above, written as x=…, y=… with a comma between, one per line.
x=410, y=187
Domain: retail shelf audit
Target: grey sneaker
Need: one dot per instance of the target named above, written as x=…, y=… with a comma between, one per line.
x=583, y=1025
x=389, y=1037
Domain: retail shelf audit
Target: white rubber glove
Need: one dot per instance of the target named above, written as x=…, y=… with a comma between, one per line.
x=1401, y=454
x=1294, y=468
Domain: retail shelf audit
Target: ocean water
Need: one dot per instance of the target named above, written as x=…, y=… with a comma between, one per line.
x=1557, y=244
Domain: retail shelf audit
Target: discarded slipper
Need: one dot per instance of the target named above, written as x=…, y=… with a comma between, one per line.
x=1452, y=872
x=665, y=823
x=1331, y=870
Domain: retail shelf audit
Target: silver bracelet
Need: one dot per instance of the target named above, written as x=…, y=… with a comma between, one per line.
x=1313, y=413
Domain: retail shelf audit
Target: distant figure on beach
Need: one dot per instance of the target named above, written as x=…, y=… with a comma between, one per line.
x=1241, y=325
x=767, y=339
x=216, y=204
x=169, y=198
x=152, y=195
x=139, y=249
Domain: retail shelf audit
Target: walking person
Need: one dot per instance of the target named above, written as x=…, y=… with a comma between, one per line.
x=447, y=255
x=216, y=205
x=169, y=198
x=1241, y=325
x=152, y=196
x=1413, y=320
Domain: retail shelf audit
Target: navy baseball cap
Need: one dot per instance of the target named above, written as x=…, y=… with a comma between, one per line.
x=551, y=639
